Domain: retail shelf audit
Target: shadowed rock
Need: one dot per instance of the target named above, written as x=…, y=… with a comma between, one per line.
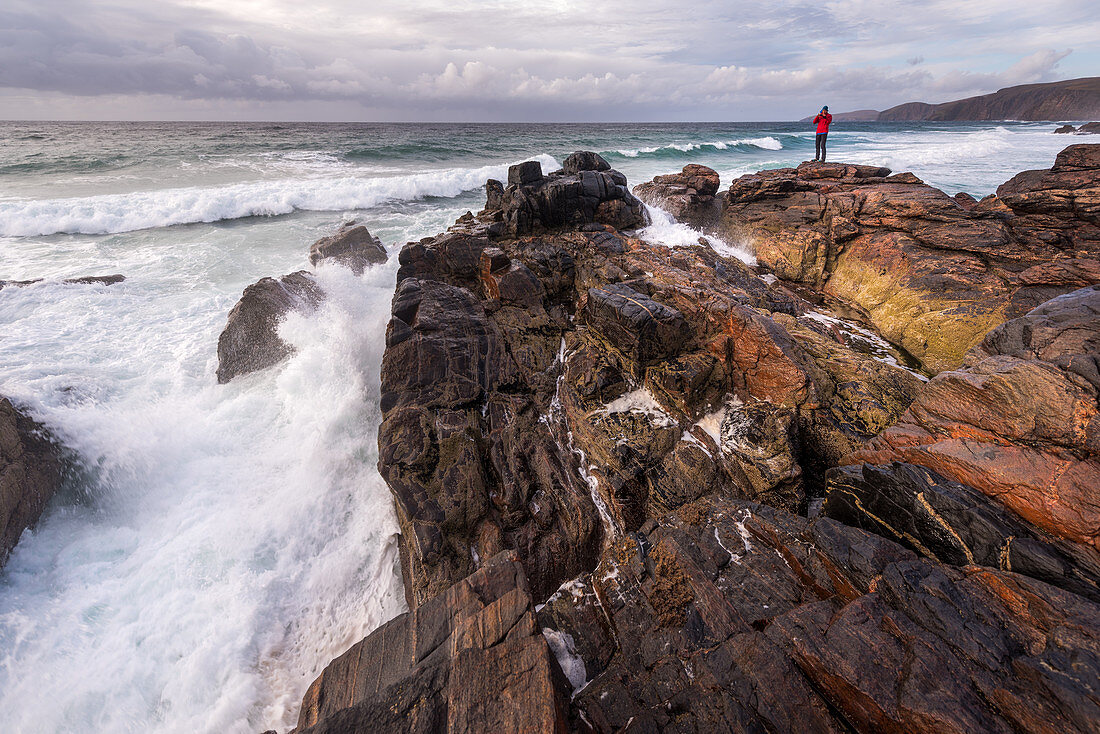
x=84, y=280
x=352, y=246
x=250, y=340
x=30, y=474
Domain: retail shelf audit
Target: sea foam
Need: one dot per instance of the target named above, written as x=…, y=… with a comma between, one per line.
x=116, y=213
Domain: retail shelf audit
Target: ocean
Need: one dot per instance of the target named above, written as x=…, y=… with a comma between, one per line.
x=221, y=543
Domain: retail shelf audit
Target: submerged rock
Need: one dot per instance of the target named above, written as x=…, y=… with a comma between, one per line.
x=250, y=340
x=83, y=280
x=352, y=246
x=30, y=474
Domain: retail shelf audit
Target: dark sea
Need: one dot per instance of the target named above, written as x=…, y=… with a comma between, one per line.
x=224, y=542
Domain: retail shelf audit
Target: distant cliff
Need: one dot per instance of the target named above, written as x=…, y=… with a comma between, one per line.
x=1075, y=99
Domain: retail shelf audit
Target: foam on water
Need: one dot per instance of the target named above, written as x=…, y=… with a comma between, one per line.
x=115, y=213
x=763, y=143
x=664, y=230
x=231, y=540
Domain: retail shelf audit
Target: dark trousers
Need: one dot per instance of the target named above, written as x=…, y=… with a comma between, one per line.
x=820, y=149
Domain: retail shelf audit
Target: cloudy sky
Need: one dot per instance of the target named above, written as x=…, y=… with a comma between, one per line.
x=505, y=60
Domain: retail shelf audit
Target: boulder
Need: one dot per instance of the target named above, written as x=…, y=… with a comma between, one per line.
x=250, y=340
x=469, y=660
x=688, y=196
x=352, y=246
x=30, y=474
x=1065, y=129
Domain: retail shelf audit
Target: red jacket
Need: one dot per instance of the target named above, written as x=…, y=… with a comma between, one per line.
x=823, y=121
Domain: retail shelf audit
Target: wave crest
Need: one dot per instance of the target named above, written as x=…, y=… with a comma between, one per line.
x=113, y=213
x=763, y=143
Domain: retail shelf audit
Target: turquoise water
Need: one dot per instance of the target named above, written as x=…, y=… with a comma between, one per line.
x=226, y=541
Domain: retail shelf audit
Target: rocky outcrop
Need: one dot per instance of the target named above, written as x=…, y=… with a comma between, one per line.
x=544, y=393
x=30, y=474
x=1063, y=129
x=429, y=670
x=586, y=190
x=84, y=280
x=1090, y=128
x=931, y=272
x=353, y=246
x=250, y=340
x=608, y=440
x=688, y=196
x=1020, y=422
x=1073, y=99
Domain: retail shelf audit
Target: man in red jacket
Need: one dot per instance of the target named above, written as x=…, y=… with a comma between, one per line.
x=823, y=120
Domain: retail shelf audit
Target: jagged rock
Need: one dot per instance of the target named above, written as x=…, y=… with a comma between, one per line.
x=1020, y=422
x=586, y=190
x=84, y=280
x=468, y=660
x=955, y=524
x=1065, y=129
x=250, y=340
x=643, y=330
x=687, y=196
x=932, y=273
x=737, y=617
x=30, y=474
x=352, y=246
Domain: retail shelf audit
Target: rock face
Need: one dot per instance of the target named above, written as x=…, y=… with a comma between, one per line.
x=1019, y=422
x=932, y=273
x=607, y=440
x=250, y=340
x=30, y=474
x=1073, y=99
x=428, y=670
x=584, y=191
x=543, y=393
x=352, y=246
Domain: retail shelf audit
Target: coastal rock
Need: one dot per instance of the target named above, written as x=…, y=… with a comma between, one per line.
x=733, y=616
x=932, y=273
x=1065, y=129
x=1089, y=128
x=1019, y=422
x=30, y=474
x=352, y=246
x=585, y=191
x=83, y=280
x=545, y=393
x=250, y=340
x=688, y=196
x=469, y=660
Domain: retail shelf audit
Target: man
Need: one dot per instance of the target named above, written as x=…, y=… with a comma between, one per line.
x=823, y=120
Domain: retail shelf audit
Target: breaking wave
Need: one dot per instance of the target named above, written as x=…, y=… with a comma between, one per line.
x=113, y=213
x=763, y=143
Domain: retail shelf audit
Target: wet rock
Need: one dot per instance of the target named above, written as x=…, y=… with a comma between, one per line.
x=30, y=474
x=352, y=246
x=1020, y=422
x=688, y=196
x=1088, y=128
x=586, y=190
x=84, y=280
x=735, y=616
x=955, y=524
x=250, y=340
x=1065, y=129
x=933, y=273
x=642, y=329
x=469, y=660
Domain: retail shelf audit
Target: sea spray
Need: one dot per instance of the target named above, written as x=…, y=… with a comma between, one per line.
x=237, y=539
